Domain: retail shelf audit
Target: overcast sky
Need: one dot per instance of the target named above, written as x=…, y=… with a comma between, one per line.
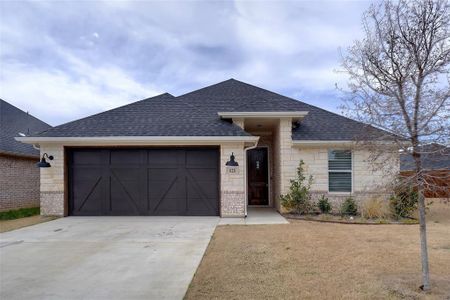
x=63, y=61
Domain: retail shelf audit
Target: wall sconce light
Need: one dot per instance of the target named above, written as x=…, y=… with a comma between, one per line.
x=232, y=165
x=232, y=162
x=43, y=163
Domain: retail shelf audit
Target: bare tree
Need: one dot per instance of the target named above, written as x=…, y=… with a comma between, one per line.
x=399, y=81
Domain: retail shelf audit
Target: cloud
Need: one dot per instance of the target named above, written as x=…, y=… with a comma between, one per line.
x=65, y=60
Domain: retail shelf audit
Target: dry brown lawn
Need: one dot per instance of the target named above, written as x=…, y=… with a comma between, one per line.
x=23, y=222
x=311, y=260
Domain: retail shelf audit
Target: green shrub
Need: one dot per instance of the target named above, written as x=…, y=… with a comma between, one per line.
x=349, y=207
x=324, y=205
x=404, y=200
x=19, y=213
x=298, y=199
x=375, y=208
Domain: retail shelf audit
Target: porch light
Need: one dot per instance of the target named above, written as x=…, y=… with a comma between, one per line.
x=232, y=162
x=232, y=166
x=43, y=163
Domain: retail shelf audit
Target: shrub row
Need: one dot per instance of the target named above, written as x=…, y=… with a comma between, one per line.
x=402, y=203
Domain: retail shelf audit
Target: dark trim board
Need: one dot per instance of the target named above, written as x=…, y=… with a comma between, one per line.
x=143, y=181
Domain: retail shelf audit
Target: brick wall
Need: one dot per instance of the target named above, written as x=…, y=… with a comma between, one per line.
x=19, y=182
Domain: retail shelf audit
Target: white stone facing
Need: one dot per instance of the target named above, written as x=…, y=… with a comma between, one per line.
x=368, y=179
x=52, y=182
x=232, y=185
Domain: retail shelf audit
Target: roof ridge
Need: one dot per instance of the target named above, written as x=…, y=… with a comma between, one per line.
x=206, y=87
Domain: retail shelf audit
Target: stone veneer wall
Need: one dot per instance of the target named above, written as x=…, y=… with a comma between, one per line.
x=52, y=182
x=232, y=186
x=367, y=181
x=19, y=182
x=276, y=190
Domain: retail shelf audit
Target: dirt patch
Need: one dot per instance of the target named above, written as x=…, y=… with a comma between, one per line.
x=321, y=261
x=23, y=222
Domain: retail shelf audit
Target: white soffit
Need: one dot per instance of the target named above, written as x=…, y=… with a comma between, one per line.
x=295, y=115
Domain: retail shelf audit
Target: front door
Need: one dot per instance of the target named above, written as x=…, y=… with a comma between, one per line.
x=258, y=176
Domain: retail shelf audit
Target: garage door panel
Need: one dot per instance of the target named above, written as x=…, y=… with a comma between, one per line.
x=123, y=200
x=127, y=192
x=162, y=174
x=199, y=158
x=166, y=197
x=208, y=188
x=144, y=181
x=89, y=157
x=90, y=189
x=203, y=174
x=164, y=157
x=127, y=157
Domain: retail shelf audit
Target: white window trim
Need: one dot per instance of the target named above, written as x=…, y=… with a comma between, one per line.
x=351, y=171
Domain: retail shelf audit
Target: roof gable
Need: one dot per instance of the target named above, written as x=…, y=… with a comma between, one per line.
x=13, y=122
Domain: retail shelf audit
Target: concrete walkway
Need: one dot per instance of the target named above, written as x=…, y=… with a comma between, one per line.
x=256, y=216
x=103, y=257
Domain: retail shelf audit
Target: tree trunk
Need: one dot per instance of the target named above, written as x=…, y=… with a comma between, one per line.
x=423, y=242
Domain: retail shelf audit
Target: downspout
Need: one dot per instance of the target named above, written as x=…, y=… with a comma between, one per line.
x=245, y=175
x=36, y=146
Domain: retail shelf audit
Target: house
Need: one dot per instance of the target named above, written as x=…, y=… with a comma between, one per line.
x=435, y=159
x=213, y=151
x=19, y=177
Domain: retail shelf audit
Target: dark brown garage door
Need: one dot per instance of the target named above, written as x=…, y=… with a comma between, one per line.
x=144, y=182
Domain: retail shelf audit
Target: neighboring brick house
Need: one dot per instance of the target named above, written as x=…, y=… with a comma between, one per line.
x=213, y=151
x=19, y=176
x=435, y=160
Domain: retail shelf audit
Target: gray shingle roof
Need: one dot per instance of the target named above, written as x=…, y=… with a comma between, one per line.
x=14, y=121
x=163, y=115
x=195, y=114
x=234, y=95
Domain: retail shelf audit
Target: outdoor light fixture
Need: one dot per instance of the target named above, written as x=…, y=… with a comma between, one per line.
x=43, y=163
x=232, y=166
x=232, y=162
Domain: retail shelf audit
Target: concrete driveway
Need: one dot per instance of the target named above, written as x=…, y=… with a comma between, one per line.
x=103, y=257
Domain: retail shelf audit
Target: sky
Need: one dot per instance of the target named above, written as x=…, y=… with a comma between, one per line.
x=61, y=61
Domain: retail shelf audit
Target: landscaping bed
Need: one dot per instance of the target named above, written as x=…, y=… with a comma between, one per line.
x=330, y=218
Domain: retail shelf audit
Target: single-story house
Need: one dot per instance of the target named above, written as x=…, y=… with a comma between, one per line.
x=213, y=151
x=19, y=177
x=435, y=160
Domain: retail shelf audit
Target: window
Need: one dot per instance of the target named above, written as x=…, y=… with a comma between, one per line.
x=339, y=171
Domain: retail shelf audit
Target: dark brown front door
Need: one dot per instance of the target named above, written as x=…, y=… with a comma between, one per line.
x=258, y=177
x=160, y=181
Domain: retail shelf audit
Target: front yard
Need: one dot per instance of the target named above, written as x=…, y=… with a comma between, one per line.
x=324, y=260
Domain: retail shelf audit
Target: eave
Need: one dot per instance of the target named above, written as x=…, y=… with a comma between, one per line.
x=295, y=115
x=137, y=140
